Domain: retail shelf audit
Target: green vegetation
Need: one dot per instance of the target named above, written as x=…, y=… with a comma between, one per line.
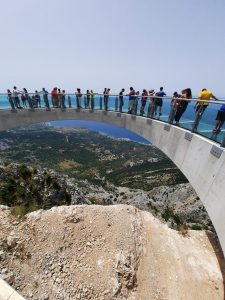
x=20, y=191
x=92, y=199
x=24, y=171
x=196, y=227
x=169, y=214
x=95, y=201
x=90, y=156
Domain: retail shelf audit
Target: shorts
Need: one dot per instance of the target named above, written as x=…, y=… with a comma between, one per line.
x=220, y=116
x=158, y=102
x=143, y=103
x=131, y=104
x=203, y=107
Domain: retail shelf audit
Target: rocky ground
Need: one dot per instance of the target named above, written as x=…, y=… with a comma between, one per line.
x=26, y=188
x=175, y=205
x=107, y=252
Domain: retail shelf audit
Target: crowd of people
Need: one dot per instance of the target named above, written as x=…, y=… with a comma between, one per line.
x=19, y=99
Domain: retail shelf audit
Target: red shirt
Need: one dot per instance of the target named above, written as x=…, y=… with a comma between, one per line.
x=54, y=94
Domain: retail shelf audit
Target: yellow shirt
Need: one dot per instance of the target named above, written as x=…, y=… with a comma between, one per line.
x=204, y=95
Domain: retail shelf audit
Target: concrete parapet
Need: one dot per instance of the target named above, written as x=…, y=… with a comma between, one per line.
x=8, y=293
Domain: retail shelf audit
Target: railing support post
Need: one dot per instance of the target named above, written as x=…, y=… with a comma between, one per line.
x=69, y=101
x=100, y=102
x=116, y=104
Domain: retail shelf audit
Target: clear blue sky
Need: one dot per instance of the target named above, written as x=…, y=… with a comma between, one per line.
x=117, y=43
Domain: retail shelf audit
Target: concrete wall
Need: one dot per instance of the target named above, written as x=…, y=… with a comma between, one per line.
x=8, y=293
x=190, y=152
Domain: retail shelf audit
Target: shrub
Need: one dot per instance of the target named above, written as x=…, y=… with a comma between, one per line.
x=25, y=208
x=48, y=179
x=92, y=199
x=33, y=189
x=7, y=192
x=21, y=192
x=18, y=211
x=34, y=170
x=167, y=214
x=177, y=219
x=55, y=185
x=196, y=227
x=6, y=163
x=24, y=171
x=183, y=229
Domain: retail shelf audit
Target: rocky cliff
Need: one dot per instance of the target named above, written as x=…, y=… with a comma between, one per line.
x=107, y=252
x=25, y=188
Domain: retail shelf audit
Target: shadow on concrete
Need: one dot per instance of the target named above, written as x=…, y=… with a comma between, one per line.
x=214, y=241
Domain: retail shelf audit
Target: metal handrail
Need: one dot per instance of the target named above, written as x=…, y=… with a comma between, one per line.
x=219, y=101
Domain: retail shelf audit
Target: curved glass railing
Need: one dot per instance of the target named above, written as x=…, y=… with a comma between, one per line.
x=202, y=122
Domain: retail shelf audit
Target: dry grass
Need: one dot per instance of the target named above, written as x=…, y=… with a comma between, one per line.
x=68, y=165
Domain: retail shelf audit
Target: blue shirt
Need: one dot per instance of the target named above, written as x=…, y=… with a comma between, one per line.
x=160, y=94
x=222, y=108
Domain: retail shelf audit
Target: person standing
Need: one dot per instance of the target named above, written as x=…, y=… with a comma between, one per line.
x=63, y=99
x=131, y=100
x=106, y=101
x=45, y=97
x=201, y=106
x=88, y=99
x=105, y=97
x=143, y=101
x=15, y=97
x=181, y=105
x=136, y=102
x=79, y=98
x=204, y=95
x=173, y=107
x=54, y=97
x=92, y=99
x=9, y=96
x=37, y=98
x=151, y=107
x=60, y=97
x=121, y=100
x=159, y=101
x=220, y=119
x=28, y=98
x=24, y=97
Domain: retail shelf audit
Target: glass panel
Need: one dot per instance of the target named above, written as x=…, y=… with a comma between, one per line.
x=208, y=122
x=4, y=101
x=184, y=115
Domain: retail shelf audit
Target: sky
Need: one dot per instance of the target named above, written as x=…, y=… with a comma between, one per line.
x=94, y=44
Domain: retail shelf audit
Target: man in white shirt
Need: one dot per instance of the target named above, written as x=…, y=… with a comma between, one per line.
x=15, y=96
